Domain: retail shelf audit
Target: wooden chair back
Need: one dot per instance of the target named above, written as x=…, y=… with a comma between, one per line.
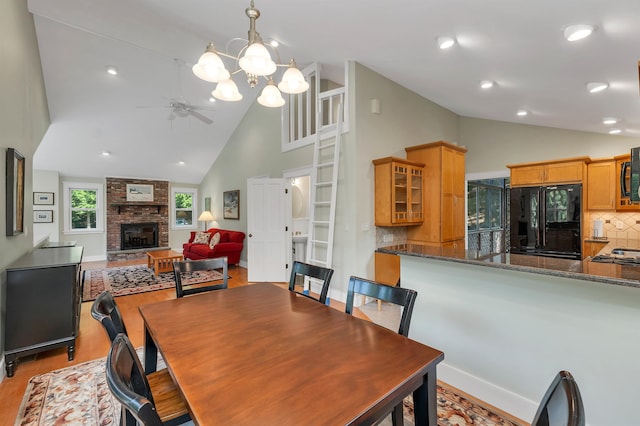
x=180, y=268
x=404, y=297
x=312, y=271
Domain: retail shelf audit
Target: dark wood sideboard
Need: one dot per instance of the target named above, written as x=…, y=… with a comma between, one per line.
x=44, y=294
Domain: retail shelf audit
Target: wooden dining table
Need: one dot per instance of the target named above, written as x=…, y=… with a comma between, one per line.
x=260, y=354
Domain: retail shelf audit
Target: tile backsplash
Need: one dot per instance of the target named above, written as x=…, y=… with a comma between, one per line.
x=629, y=234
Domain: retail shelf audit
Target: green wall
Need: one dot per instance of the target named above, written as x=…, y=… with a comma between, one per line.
x=24, y=119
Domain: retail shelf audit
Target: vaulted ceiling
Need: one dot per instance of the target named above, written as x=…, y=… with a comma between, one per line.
x=517, y=44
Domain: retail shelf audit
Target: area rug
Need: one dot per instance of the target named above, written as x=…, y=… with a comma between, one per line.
x=79, y=395
x=136, y=279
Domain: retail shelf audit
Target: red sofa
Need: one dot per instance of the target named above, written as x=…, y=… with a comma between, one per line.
x=230, y=245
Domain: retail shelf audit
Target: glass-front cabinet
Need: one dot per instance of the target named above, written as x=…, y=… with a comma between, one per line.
x=398, y=192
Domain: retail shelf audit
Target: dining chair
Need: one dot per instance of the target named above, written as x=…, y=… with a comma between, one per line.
x=311, y=272
x=561, y=404
x=153, y=399
x=106, y=312
x=184, y=267
x=404, y=297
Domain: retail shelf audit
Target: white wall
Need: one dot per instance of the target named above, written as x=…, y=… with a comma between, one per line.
x=505, y=334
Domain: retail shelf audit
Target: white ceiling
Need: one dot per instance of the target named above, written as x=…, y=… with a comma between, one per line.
x=518, y=44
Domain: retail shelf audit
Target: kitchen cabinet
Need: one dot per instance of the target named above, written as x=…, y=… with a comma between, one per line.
x=572, y=170
x=601, y=185
x=398, y=192
x=443, y=192
x=43, y=298
x=623, y=203
x=592, y=247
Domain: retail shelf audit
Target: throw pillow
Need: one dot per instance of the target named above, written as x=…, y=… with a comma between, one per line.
x=201, y=238
x=214, y=240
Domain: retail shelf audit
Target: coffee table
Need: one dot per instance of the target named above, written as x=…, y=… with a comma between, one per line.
x=162, y=260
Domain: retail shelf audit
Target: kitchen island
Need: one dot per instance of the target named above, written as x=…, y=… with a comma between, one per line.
x=607, y=273
x=509, y=323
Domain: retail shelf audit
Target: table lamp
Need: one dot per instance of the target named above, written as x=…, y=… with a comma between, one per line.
x=206, y=217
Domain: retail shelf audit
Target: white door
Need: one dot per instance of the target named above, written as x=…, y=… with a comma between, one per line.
x=267, y=201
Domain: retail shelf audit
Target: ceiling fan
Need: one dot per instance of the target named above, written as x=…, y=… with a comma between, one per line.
x=180, y=107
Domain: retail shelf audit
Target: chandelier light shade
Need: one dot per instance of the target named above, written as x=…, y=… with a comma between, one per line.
x=293, y=80
x=271, y=96
x=226, y=90
x=255, y=60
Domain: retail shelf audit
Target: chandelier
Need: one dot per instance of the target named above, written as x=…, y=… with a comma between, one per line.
x=254, y=59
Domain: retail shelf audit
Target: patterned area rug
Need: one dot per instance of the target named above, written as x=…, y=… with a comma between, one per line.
x=79, y=395
x=136, y=279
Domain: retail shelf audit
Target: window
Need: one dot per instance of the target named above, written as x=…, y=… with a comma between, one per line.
x=184, y=208
x=83, y=211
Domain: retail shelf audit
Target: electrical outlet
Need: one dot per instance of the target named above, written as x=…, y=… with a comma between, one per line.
x=619, y=224
x=387, y=238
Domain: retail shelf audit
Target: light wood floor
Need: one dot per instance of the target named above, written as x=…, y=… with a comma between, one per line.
x=92, y=341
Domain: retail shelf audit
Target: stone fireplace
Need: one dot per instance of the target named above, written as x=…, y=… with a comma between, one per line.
x=133, y=227
x=138, y=235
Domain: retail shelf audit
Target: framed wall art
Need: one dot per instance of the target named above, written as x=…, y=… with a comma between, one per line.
x=43, y=216
x=139, y=192
x=15, y=192
x=43, y=198
x=231, y=204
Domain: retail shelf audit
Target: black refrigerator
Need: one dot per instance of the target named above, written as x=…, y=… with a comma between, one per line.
x=545, y=221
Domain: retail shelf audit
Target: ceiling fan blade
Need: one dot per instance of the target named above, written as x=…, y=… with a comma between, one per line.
x=201, y=117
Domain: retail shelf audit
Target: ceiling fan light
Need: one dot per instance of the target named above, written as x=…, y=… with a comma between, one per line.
x=596, y=86
x=578, y=32
x=292, y=80
x=271, y=96
x=226, y=90
x=257, y=60
x=210, y=67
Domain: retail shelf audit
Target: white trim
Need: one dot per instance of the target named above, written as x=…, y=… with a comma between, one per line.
x=508, y=401
x=194, y=208
x=100, y=211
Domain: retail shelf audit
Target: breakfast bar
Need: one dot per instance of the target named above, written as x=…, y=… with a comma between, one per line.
x=509, y=323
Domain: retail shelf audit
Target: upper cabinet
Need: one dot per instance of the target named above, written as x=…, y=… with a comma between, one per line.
x=601, y=184
x=444, y=194
x=398, y=192
x=572, y=170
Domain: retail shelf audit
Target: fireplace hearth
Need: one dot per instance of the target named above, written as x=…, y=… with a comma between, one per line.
x=138, y=235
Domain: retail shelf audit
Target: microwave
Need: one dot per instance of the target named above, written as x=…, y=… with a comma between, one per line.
x=630, y=176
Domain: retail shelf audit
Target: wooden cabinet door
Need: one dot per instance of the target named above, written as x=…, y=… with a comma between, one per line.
x=601, y=181
x=398, y=192
x=570, y=171
x=527, y=175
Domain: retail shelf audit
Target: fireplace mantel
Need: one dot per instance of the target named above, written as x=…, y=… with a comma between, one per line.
x=120, y=205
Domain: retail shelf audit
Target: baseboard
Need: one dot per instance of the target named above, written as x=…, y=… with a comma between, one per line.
x=504, y=399
x=94, y=258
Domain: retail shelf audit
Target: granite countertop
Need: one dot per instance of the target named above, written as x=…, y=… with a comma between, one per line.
x=607, y=273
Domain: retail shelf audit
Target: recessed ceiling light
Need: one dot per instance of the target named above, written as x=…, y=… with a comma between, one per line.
x=445, y=42
x=181, y=163
x=112, y=70
x=596, y=86
x=212, y=99
x=578, y=32
x=106, y=153
x=609, y=120
x=522, y=112
x=615, y=131
x=486, y=84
